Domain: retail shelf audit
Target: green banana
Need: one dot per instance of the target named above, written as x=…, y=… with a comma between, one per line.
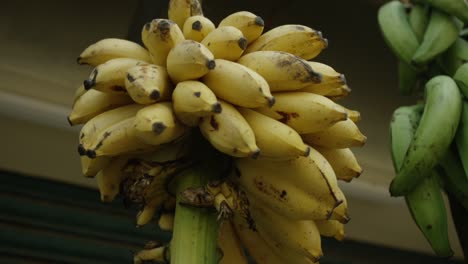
x=454, y=57
x=433, y=136
x=397, y=31
x=458, y=8
x=461, y=138
x=418, y=19
x=461, y=78
x=455, y=181
x=464, y=33
x=441, y=33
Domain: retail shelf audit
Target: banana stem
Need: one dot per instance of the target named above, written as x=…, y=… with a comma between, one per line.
x=195, y=233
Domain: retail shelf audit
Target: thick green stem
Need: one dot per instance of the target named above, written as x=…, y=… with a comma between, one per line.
x=195, y=233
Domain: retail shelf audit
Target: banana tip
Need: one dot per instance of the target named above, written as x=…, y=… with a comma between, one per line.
x=211, y=64
x=69, y=121
x=255, y=154
x=81, y=150
x=155, y=95
x=259, y=21
x=216, y=108
x=91, y=153
x=158, y=127
x=242, y=43
x=88, y=84
x=271, y=101
x=307, y=152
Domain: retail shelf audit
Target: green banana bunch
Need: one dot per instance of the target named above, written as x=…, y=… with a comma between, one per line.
x=461, y=78
x=461, y=138
x=433, y=136
x=452, y=59
x=425, y=201
x=458, y=8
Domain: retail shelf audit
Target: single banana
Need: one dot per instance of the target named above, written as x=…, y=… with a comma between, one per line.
x=230, y=133
x=458, y=8
x=160, y=36
x=419, y=19
x=461, y=78
x=157, y=124
x=189, y=60
x=248, y=23
x=275, y=139
x=440, y=34
x=225, y=43
x=298, y=40
x=344, y=134
x=238, y=85
x=93, y=103
x=96, y=125
x=304, y=112
x=282, y=71
x=331, y=79
x=461, y=137
x=193, y=100
x=112, y=48
x=309, y=192
x=110, y=76
x=166, y=221
x=110, y=177
x=331, y=228
x=397, y=31
x=197, y=28
x=91, y=167
x=180, y=10
x=78, y=93
x=441, y=113
x=343, y=162
x=147, y=84
x=454, y=177
x=230, y=245
x=295, y=238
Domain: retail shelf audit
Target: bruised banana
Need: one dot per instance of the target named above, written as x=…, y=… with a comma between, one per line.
x=275, y=139
x=110, y=76
x=344, y=134
x=225, y=43
x=248, y=23
x=331, y=228
x=93, y=103
x=343, y=162
x=91, y=129
x=331, y=79
x=91, y=167
x=157, y=124
x=238, y=85
x=304, y=112
x=160, y=36
x=230, y=245
x=189, y=60
x=282, y=71
x=180, y=10
x=147, y=84
x=110, y=177
x=298, y=40
x=112, y=48
x=197, y=28
x=309, y=192
x=193, y=100
x=230, y=133
x=433, y=136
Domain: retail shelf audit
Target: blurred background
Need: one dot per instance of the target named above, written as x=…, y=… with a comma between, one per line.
x=50, y=213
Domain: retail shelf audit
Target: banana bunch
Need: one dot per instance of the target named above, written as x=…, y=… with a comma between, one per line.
x=256, y=97
x=429, y=140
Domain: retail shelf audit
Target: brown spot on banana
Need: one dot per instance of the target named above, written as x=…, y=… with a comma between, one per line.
x=130, y=78
x=287, y=116
x=197, y=94
x=214, y=124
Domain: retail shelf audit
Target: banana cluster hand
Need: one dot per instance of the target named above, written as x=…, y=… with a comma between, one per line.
x=254, y=96
x=429, y=140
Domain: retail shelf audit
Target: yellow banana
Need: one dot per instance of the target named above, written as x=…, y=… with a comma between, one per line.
x=331, y=79
x=339, y=93
x=229, y=244
x=180, y=10
x=160, y=36
x=307, y=193
x=149, y=210
x=343, y=162
x=230, y=133
x=157, y=124
x=331, y=228
x=298, y=40
x=197, y=28
x=147, y=84
x=93, y=103
x=78, y=93
x=340, y=213
x=193, y=100
x=275, y=139
x=225, y=43
x=282, y=71
x=344, y=134
x=96, y=125
x=248, y=23
x=304, y=112
x=238, y=85
x=110, y=76
x=110, y=177
x=354, y=115
x=189, y=60
x=166, y=221
x=91, y=167
x=112, y=48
